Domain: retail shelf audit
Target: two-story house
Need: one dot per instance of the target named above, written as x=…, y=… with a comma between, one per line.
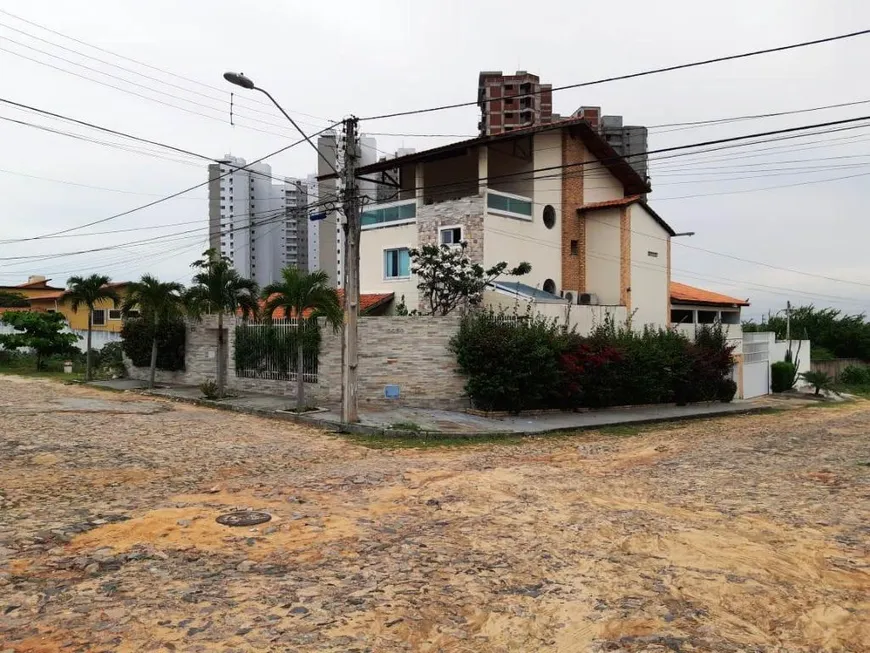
x=557, y=196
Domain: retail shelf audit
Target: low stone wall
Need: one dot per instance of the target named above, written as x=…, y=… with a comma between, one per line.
x=411, y=352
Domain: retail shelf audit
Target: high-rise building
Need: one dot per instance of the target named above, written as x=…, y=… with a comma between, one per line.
x=509, y=102
x=330, y=258
x=254, y=222
x=629, y=141
x=312, y=190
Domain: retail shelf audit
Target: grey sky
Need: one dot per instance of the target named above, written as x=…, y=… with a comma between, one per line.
x=332, y=59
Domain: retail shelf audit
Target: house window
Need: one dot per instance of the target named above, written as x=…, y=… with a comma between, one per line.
x=451, y=235
x=397, y=263
x=574, y=247
x=706, y=317
x=549, y=217
x=98, y=317
x=682, y=316
x=730, y=317
x=114, y=313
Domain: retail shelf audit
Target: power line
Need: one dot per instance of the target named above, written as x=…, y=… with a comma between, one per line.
x=644, y=73
x=168, y=197
x=147, y=65
x=136, y=72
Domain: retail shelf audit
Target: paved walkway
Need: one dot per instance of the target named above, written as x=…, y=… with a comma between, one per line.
x=457, y=422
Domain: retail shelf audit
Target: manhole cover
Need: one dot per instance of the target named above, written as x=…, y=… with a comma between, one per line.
x=244, y=518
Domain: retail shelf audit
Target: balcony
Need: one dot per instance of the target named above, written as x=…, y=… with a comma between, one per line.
x=387, y=215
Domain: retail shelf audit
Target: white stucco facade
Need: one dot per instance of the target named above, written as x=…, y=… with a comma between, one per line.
x=650, y=294
x=603, y=255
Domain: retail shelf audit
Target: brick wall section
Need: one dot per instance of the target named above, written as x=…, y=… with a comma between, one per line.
x=625, y=257
x=573, y=225
x=466, y=211
x=411, y=352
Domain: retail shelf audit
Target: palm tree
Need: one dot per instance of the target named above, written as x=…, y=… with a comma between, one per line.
x=297, y=293
x=157, y=303
x=90, y=291
x=218, y=288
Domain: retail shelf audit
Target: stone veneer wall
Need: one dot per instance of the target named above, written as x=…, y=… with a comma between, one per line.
x=411, y=352
x=465, y=211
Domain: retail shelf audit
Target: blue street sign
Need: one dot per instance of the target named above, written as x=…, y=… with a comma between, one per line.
x=317, y=216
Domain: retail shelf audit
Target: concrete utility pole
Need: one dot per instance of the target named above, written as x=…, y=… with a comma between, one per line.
x=350, y=335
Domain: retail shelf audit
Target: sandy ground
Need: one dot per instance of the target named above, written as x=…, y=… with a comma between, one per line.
x=744, y=533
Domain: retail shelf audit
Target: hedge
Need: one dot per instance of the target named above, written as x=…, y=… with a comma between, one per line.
x=136, y=339
x=516, y=364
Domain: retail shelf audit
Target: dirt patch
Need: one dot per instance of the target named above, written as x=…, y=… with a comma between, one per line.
x=747, y=533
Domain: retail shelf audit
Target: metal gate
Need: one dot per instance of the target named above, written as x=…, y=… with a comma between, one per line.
x=756, y=364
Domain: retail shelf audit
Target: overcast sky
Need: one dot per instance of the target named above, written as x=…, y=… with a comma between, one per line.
x=326, y=60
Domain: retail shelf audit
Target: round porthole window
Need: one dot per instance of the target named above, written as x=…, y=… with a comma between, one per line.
x=550, y=286
x=549, y=216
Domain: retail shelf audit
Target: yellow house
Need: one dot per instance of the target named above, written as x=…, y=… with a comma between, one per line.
x=44, y=298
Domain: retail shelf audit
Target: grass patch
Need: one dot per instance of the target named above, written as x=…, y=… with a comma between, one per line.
x=406, y=426
x=383, y=442
x=42, y=374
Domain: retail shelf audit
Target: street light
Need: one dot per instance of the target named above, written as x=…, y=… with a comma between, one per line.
x=239, y=79
x=683, y=233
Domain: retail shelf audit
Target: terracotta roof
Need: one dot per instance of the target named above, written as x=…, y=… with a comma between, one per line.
x=41, y=283
x=368, y=301
x=626, y=201
x=683, y=294
x=606, y=204
x=52, y=296
x=601, y=149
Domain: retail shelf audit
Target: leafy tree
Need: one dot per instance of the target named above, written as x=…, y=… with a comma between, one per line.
x=220, y=289
x=13, y=300
x=90, y=291
x=158, y=303
x=298, y=293
x=41, y=332
x=846, y=336
x=447, y=278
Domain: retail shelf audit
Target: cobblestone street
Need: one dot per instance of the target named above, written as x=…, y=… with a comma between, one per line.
x=745, y=533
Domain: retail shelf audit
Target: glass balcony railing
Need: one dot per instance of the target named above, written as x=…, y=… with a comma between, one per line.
x=393, y=212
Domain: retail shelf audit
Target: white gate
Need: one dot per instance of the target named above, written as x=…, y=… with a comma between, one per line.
x=756, y=364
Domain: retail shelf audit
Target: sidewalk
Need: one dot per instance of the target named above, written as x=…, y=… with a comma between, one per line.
x=432, y=422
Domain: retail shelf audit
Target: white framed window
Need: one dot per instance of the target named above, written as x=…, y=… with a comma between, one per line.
x=114, y=313
x=98, y=317
x=397, y=263
x=451, y=235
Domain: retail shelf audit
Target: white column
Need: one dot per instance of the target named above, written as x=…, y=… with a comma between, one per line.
x=418, y=185
x=482, y=169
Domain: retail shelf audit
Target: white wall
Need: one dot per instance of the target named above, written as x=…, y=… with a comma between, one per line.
x=599, y=184
x=514, y=240
x=583, y=318
x=602, y=255
x=650, y=293
x=778, y=348
x=373, y=242
x=98, y=338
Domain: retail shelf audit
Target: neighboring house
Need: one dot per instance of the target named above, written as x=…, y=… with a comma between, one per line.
x=557, y=196
x=692, y=308
x=44, y=298
x=369, y=304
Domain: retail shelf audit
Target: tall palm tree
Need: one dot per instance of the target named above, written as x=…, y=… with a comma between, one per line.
x=158, y=303
x=218, y=288
x=90, y=291
x=299, y=293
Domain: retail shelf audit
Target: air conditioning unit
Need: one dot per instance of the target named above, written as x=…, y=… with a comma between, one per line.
x=588, y=298
x=570, y=295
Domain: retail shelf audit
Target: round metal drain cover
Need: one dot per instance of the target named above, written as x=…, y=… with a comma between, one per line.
x=244, y=518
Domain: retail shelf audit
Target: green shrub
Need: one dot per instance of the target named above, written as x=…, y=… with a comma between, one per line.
x=821, y=354
x=819, y=380
x=855, y=375
x=727, y=390
x=510, y=362
x=136, y=338
x=782, y=376
x=209, y=389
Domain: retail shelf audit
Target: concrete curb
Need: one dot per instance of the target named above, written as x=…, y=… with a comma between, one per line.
x=365, y=429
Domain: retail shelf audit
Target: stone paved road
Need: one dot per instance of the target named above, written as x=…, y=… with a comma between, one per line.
x=739, y=534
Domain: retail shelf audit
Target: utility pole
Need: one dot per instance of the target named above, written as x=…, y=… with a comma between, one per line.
x=351, y=226
x=788, y=322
